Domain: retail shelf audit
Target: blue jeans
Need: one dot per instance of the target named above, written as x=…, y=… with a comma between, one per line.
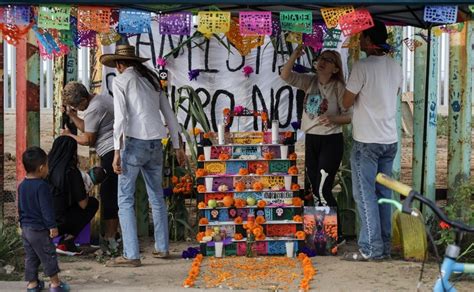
x=367, y=159
x=145, y=156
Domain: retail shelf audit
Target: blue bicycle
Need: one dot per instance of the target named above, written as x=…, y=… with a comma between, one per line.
x=449, y=265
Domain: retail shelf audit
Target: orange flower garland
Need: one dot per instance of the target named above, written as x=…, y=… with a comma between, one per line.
x=295, y=187
x=296, y=201
x=201, y=188
x=300, y=235
x=308, y=271
x=239, y=186
x=200, y=172
x=261, y=203
x=257, y=186
x=202, y=205
x=293, y=170
x=260, y=219
x=292, y=156
x=243, y=171
x=297, y=218
x=238, y=220
x=203, y=221
x=193, y=272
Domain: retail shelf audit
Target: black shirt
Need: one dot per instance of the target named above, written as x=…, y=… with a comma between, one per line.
x=35, y=204
x=74, y=192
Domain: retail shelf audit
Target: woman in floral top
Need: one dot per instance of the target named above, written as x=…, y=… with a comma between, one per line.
x=322, y=120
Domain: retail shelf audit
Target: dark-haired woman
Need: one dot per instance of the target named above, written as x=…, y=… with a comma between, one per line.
x=138, y=130
x=73, y=207
x=322, y=120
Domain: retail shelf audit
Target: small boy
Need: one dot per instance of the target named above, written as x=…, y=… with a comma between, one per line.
x=94, y=176
x=37, y=221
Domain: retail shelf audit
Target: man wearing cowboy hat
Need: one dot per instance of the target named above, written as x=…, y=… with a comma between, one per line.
x=138, y=130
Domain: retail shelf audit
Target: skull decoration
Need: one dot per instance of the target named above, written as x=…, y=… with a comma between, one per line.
x=163, y=75
x=279, y=212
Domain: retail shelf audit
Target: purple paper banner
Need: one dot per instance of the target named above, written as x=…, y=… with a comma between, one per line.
x=255, y=23
x=314, y=40
x=176, y=23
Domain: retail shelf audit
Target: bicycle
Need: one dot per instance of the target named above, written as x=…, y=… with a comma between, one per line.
x=449, y=265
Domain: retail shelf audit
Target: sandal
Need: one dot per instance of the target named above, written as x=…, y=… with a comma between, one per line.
x=63, y=287
x=38, y=287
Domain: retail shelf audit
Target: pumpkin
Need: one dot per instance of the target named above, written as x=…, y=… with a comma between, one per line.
x=261, y=203
x=300, y=235
x=297, y=202
x=260, y=170
x=295, y=187
x=238, y=220
x=200, y=235
x=292, y=156
x=243, y=171
x=201, y=188
x=267, y=156
x=257, y=186
x=297, y=218
x=201, y=157
x=238, y=236
x=203, y=221
x=202, y=205
x=239, y=186
x=293, y=170
x=260, y=219
x=228, y=201
x=201, y=172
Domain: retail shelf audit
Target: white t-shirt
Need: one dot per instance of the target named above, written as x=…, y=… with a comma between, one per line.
x=376, y=80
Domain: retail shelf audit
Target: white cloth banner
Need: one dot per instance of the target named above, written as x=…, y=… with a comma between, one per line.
x=221, y=82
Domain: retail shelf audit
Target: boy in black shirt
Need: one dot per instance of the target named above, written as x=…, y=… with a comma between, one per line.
x=38, y=224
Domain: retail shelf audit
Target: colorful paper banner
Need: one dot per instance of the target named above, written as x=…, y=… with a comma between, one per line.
x=176, y=23
x=314, y=40
x=441, y=14
x=94, y=18
x=331, y=38
x=331, y=15
x=16, y=15
x=56, y=17
x=297, y=21
x=210, y=22
x=255, y=23
x=355, y=22
x=243, y=44
x=134, y=21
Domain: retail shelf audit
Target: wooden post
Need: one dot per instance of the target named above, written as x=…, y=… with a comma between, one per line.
x=2, y=140
x=460, y=91
x=419, y=96
x=431, y=111
x=27, y=106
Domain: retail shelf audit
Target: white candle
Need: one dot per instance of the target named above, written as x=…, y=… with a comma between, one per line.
x=290, y=249
x=220, y=133
x=219, y=246
x=207, y=152
x=275, y=131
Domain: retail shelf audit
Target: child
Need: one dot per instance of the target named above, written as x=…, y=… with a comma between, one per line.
x=94, y=176
x=38, y=224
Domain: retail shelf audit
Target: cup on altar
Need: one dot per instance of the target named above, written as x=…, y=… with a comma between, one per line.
x=288, y=181
x=284, y=151
x=220, y=134
x=275, y=131
x=209, y=182
x=290, y=249
x=219, y=246
x=207, y=152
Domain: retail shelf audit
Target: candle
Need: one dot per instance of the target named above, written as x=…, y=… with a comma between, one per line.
x=220, y=133
x=275, y=131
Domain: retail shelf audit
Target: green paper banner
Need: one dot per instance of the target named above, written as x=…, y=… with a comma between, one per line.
x=297, y=21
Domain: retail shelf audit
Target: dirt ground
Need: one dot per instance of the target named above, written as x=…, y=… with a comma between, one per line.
x=86, y=274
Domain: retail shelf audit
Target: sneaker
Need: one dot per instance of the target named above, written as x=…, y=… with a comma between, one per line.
x=63, y=287
x=63, y=250
x=360, y=257
x=161, y=254
x=123, y=262
x=38, y=287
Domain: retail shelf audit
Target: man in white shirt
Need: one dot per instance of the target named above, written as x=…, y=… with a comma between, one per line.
x=372, y=89
x=138, y=130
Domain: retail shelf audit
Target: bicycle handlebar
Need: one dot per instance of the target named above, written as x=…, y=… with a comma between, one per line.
x=407, y=191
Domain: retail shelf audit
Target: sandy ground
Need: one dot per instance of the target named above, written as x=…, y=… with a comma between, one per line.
x=86, y=274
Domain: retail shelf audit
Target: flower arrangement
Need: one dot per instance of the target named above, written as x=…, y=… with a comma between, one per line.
x=300, y=235
x=261, y=203
x=247, y=71
x=293, y=170
x=238, y=220
x=268, y=156
x=183, y=185
x=296, y=201
x=202, y=205
x=295, y=187
x=292, y=156
x=201, y=157
x=200, y=172
x=239, y=186
x=240, y=203
x=260, y=170
x=260, y=219
x=243, y=171
x=201, y=188
x=224, y=156
x=203, y=221
x=297, y=218
x=257, y=186
x=238, y=236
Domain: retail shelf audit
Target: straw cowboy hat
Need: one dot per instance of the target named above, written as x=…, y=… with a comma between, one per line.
x=122, y=52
